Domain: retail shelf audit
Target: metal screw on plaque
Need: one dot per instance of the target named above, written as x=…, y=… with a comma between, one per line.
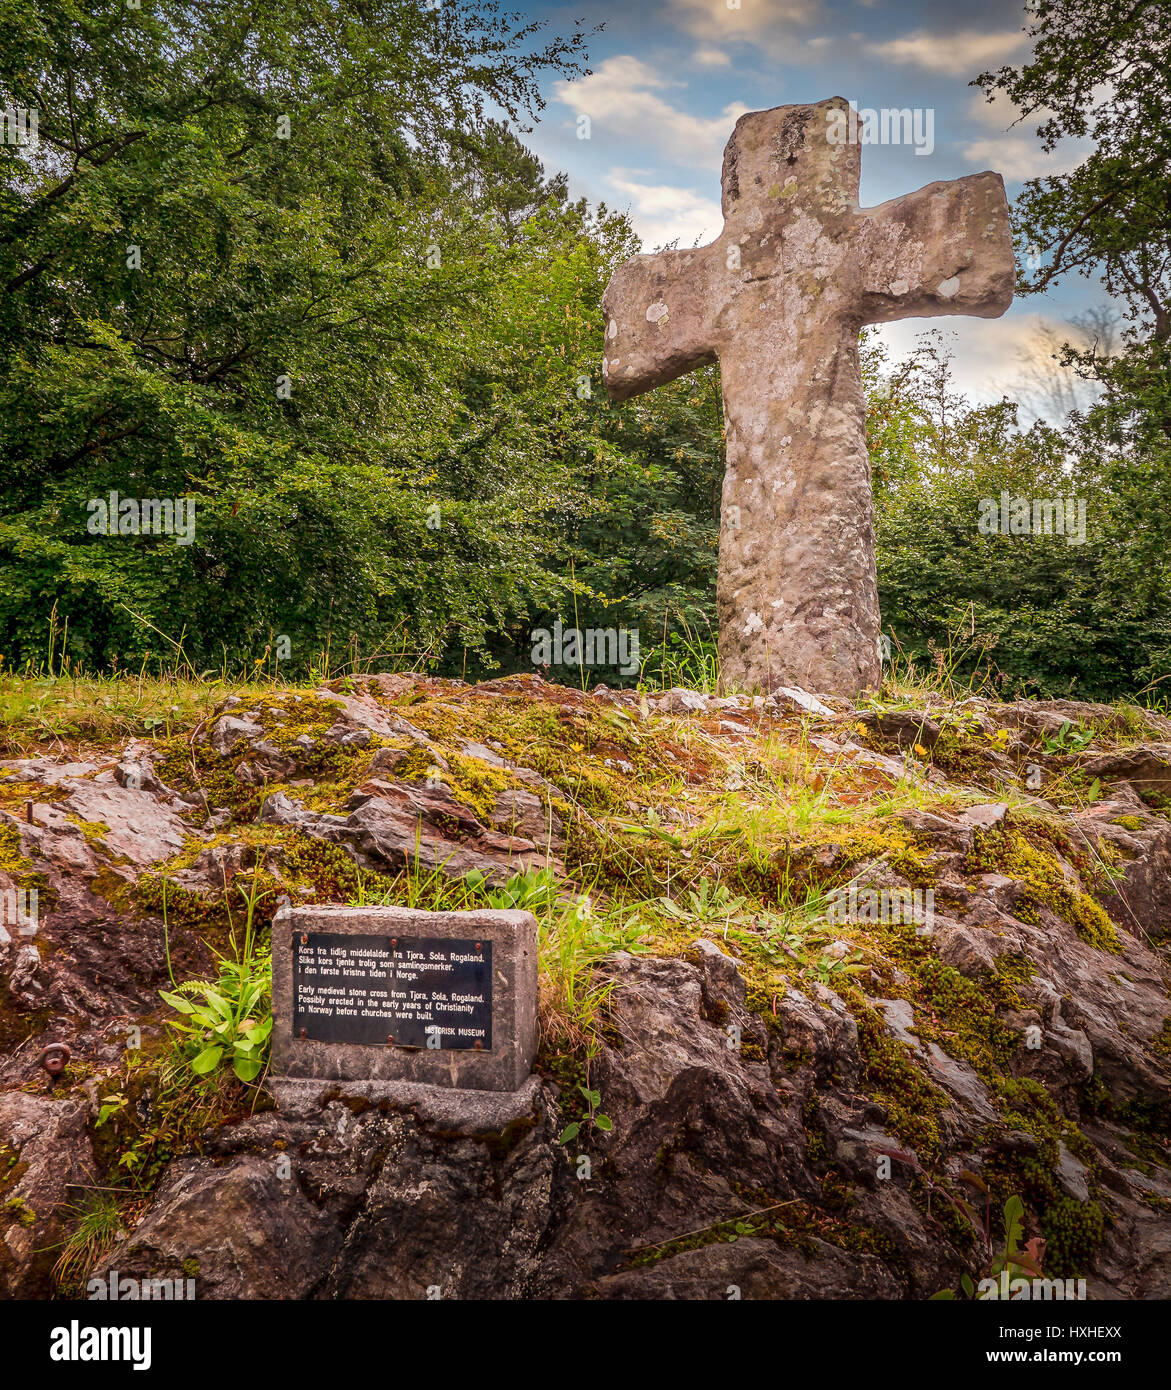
x=54, y=1057
x=304, y=939
x=304, y=1032
x=478, y=1046
x=393, y=941
x=390, y=1039
x=479, y=947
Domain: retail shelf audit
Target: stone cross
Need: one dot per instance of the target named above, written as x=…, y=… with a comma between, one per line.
x=779, y=299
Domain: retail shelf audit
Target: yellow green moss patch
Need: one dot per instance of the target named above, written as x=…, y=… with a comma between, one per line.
x=19, y=1211
x=21, y=869
x=93, y=832
x=913, y=1104
x=1012, y=850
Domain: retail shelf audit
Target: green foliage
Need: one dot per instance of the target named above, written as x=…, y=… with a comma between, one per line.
x=713, y=902
x=427, y=340
x=96, y=1223
x=592, y=1119
x=1068, y=739
x=228, y=1021
x=535, y=890
x=1021, y=1260
x=1101, y=72
x=1036, y=614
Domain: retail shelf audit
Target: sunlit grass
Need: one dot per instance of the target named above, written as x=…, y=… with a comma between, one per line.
x=39, y=712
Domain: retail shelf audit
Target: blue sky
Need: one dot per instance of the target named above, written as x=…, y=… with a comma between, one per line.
x=669, y=78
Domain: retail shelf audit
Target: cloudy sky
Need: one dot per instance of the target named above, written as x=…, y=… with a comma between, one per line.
x=669, y=78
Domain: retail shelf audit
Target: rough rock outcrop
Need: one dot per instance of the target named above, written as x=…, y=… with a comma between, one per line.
x=841, y=1128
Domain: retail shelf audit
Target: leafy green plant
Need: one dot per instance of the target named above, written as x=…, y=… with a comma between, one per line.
x=592, y=1118
x=828, y=968
x=1019, y=1260
x=711, y=903
x=534, y=891
x=1069, y=738
x=228, y=1020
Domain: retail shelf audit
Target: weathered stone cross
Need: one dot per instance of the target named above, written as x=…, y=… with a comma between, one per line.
x=779, y=299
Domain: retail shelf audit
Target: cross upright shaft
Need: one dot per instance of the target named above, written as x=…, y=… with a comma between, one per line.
x=779, y=299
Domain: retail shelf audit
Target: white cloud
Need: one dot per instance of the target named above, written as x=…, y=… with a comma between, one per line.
x=662, y=212
x=1015, y=150
x=964, y=52
x=708, y=57
x=623, y=103
x=997, y=114
x=981, y=348
x=714, y=19
x=1019, y=157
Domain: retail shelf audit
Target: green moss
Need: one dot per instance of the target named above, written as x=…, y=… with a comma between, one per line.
x=416, y=764
x=322, y=872
x=913, y=1104
x=1028, y=1106
x=957, y=1013
x=1150, y=1149
x=110, y=885
x=569, y=740
x=1161, y=1042
x=1013, y=970
x=855, y=844
x=20, y=869
x=20, y=1212
x=312, y=871
x=1023, y=853
x=1092, y=924
x=284, y=718
x=205, y=914
x=1073, y=1231
x=1129, y=822
x=960, y=754
x=93, y=832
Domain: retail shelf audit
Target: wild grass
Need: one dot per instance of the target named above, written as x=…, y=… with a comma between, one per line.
x=686, y=657
x=573, y=937
x=57, y=702
x=55, y=711
x=96, y=1223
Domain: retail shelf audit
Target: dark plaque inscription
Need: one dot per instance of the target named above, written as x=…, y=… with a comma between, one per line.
x=427, y=992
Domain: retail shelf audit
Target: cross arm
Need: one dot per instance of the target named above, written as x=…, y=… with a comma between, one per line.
x=945, y=249
x=657, y=320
